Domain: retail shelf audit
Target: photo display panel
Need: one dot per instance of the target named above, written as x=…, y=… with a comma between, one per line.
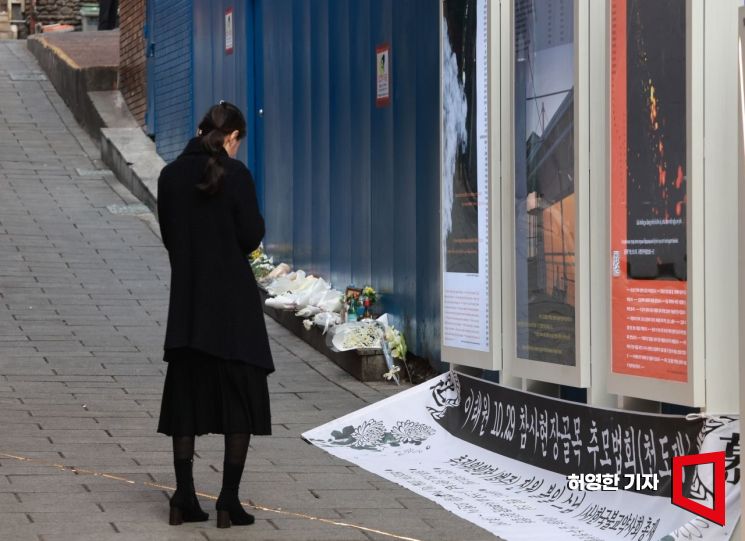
x=544, y=198
x=465, y=175
x=649, y=189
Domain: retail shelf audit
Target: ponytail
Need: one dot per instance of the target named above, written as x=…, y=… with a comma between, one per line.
x=219, y=122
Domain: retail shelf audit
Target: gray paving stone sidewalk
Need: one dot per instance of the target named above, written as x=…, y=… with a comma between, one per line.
x=83, y=295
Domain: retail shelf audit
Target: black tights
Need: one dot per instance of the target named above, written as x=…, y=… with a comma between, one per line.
x=236, y=449
x=183, y=447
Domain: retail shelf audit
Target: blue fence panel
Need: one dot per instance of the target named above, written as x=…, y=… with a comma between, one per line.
x=219, y=75
x=172, y=75
x=320, y=138
x=251, y=84
x=361, y=90
x=203, y=58
x=302, y=139
x=384, y=140
x=277, y=128
x=352, y=190
x=428, y=277
x=341, y=192
x=403, y=207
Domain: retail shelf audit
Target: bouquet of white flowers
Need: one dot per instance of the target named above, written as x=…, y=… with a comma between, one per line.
x=396, y=342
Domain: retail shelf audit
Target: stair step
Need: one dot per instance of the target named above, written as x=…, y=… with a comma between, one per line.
x=7, y=35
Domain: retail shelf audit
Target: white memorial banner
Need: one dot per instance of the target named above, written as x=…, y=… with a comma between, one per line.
x=501, y=458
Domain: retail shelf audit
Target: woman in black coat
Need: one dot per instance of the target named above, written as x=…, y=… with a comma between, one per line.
x=216, y=342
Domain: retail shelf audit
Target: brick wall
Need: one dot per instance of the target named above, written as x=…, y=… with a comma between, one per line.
x=58, y=11
x=132, y=63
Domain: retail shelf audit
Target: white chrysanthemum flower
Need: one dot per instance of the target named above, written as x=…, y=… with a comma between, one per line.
x=412, y=432
x=363, y=337
x=369, y=434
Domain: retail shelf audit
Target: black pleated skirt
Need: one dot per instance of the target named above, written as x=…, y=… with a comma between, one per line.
x=204, y=394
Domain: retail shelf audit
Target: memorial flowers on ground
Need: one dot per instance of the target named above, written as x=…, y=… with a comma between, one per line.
x=397, y=342
x=363, y=336
x=314, y=300
x=369, y=297
x=261, y=264
x=369, y=294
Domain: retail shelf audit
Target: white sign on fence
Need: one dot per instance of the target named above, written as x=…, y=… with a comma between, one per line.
x=229, y=31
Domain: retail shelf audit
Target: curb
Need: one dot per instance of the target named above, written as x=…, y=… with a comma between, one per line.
x=92, y=96
x=72, y=82
x=132, y=157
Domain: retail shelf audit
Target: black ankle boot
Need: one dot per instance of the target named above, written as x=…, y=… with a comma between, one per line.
x=230, y=511
x=185, y=508
x=184, y=503
x=229, y=508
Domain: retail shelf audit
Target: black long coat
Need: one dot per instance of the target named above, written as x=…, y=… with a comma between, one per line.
x=214, y=304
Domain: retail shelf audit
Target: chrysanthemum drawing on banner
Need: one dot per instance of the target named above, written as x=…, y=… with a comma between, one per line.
x=372, y=435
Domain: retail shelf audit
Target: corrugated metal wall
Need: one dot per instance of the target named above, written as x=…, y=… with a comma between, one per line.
x=352, y=191
x=171, y=23
x=220, y=76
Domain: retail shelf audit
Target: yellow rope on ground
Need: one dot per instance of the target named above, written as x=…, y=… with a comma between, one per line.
x=250, y=504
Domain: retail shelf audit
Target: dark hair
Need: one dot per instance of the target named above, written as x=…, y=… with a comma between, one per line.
x=220, y=121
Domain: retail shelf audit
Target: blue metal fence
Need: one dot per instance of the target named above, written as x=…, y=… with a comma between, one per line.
x=350, y=191
x=219, y=75
x=171, y=27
